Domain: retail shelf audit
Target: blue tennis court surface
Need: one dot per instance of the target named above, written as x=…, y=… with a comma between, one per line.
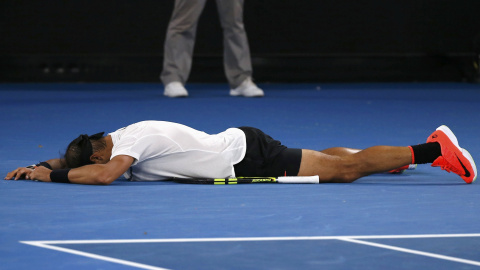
x=422, y=219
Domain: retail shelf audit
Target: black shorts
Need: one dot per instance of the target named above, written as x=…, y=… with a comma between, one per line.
x=267, y=157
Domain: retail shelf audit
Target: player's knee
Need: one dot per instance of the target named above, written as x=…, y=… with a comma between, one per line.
x=340, y=176
x=348, y=178
x=347, y=173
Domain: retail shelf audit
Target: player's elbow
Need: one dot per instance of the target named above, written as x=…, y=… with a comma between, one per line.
x=102, y=182
x=104, y=179
x=105, y=174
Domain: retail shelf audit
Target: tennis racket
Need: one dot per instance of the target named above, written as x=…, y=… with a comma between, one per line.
x=250, y=180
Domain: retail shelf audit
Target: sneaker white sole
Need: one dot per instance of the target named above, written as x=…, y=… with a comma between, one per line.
x=449, y=134
x=470, y=159
x=465, y=153
x=234, y=93
x=411, y=167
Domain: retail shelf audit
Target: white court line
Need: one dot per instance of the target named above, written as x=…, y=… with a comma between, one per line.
x=412, y=251
x=351, y=239
x=94, y=256
x=234, y=239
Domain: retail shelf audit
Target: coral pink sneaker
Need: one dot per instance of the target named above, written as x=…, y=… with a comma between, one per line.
x=454, y=158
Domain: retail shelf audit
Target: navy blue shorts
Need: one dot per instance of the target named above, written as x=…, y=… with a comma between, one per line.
x=266, y=157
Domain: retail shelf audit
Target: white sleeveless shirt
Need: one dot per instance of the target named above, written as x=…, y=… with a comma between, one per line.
x=164, y=150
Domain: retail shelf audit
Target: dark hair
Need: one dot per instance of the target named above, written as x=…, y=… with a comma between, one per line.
x=79, y=150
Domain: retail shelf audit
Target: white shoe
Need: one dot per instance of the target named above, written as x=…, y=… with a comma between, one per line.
x=247, y=89
x=175, y=89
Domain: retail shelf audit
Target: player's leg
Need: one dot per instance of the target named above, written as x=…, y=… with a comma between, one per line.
x=442, y=150
x=350, y=167
x=344, y=151
x=340, y=151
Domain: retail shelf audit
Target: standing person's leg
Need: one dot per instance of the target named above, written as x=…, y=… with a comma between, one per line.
x=236, y=51
x=180, y=41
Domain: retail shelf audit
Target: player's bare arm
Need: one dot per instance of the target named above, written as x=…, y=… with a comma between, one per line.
x=95, y=174
x=101, y=174
x=23, y=172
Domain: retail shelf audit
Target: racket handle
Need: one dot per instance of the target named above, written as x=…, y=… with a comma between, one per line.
x=298, y=179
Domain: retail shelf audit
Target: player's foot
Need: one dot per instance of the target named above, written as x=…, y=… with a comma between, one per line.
x=454, y=158
x=175, y=89
x=404, y=168
x=247, y=89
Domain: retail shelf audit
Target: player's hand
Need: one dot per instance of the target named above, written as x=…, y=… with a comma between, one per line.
x=19, y=173
x=40, y=173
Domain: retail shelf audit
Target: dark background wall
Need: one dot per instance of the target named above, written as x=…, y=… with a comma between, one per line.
x=290, y=41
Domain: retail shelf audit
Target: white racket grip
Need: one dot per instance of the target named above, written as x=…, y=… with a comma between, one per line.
x=298, y=179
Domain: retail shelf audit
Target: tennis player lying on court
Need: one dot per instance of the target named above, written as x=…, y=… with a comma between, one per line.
x=157, y=150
